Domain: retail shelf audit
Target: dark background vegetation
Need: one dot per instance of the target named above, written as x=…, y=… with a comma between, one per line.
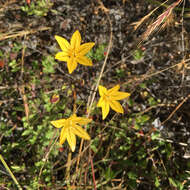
x=147, y=148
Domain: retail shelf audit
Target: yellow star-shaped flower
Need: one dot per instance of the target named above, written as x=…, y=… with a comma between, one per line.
x=73, y=52
x=70, y=128
x=108, y=98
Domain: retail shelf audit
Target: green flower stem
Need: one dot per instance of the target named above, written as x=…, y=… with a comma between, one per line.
x=11, y=174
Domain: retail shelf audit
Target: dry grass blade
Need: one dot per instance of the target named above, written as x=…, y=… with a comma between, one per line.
x=160, y=20
x=21, y=33
x=175, y=110
x=25, y=101
x=6, y=4
x=102, y=7
x=141, y=21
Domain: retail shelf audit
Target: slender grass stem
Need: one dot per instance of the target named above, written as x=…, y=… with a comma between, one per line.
x=68, y=170
x=11, y=174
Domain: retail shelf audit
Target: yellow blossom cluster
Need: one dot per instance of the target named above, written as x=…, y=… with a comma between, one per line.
x=74, y=53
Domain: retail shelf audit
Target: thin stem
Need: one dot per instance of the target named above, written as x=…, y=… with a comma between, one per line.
x=11, y=174
x=68, y=169
x=182, y=40
x=93, y=174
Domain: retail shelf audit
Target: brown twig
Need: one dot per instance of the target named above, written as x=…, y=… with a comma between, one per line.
x=22, y=62
x=155, y=106
x=182, y=40
x=7, y=3
x=173, y=112
x=146, y=76
x=22, y=33
x=93, y=173
x=25, y=100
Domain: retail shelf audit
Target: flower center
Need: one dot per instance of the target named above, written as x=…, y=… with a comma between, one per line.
x=72, y=53
x=106, y=97
x=68, y=123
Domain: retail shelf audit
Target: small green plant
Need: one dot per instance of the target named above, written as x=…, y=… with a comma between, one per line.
x=16, y=47
x=38, y=8
x=120, y=73
x=1, y=53
x=99, y=53
x=14, y=66
x=48, y=63
x=138, y=54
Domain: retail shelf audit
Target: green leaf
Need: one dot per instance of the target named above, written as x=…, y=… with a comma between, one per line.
x=26, y=132
x=152, y=101
x=157, y=183
x=138, y=54
x=172, y=182
x=132, y=175
x=155, y=135
x=143, y=85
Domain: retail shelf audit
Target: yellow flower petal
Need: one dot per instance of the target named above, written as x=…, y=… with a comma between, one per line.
x=85, y=48
x=71, y=138
x=82, y=121
x=114, y=89
x=71, y=64
x=102, y=90
x=63, y=135
x=62, y=56
x=119, y=95
x=58, y=123
x=73, y=116
x=79, y=131
x=63, y=43
x=84, y=60
x=100, y=102
x=116, y=106
x=75, y=40
x=105, y=109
